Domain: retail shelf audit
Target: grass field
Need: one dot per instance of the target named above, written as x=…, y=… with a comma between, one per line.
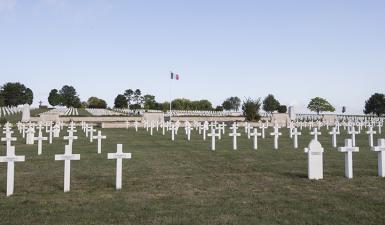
x=186, y=183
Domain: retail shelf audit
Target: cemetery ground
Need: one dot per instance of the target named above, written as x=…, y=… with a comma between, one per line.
x=185, y=182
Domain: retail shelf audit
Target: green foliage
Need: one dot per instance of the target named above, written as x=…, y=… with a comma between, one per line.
x=14, y=94
x=69, y=97
x=138, y=99
x=121, y=102
x=54, y=98
x=2, y=101
x=219, y=108
x=375, y=105
x=282, y=109
x=251, y=109
x=232, y=103
x=186, y=104
x=97, y=103
x=149, y=102
x=3, y=121
x=318, y=105
x=270, y=104
x=129, y=96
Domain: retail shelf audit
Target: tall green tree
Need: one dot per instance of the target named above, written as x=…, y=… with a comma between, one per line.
x=375, y=105
x=270, y=104
x=121, y=102
x=149, y=102
x=96, y=103
x=251, y=108
x=129, y=94
x=319, y=105
x=232, y=103
x=54, y=98
x=69, y=97
x=138, y=99
x=15, y=94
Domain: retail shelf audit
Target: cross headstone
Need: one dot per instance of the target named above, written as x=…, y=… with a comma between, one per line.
x=70, y=139
x=99, y=137
x=296, y=133
x=40, y=140
x=334, y=134
x=67, y=158
x=119, y=155
x=353, y=132
x=10, y=159
x=276, y=135
x=315, y=160
x=234, y=134
x=213, y=134
x=255, y=136
x=348, y=149
x=370, y=132
x=380, y=148
x=315, y=133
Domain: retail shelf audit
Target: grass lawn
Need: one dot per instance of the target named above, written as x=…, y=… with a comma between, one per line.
x=186, y=183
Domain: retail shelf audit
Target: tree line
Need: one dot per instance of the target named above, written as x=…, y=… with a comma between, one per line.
x=15, y=93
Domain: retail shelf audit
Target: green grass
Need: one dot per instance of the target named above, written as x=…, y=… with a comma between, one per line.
x=186, y=183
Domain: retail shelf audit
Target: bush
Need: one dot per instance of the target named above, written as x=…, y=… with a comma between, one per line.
x=251, y=109
x=282, y=109
x=3, y=121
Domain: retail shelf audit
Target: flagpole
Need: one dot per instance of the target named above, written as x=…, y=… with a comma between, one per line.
x=170, y=95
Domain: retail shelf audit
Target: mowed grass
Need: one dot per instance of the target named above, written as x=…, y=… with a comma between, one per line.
x=185, y=182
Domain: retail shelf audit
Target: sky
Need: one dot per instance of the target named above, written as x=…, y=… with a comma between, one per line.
x=296, y=49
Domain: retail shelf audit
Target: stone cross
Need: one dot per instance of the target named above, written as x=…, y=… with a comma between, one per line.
x=30, y=136
x=99, y=137
x=205, y=128
x=67, y=158
x=50, y=132
x=40, y=140
x=70, y=139
x=315, y=133
x=315, y=160
x=370, y=132
x=263, y=127
x=353, y=132
x=348, y=150
x=295, y=133
x=213, y=134
x=92, y=130
x=276, y=135
x=10, y=159
x=381, y=156
x=173, y=129
x=119, y=155
x=334, y=134
x=8, y=139
x=234, y=134
x=255, y=134
x=136, y=125
x=188, y=131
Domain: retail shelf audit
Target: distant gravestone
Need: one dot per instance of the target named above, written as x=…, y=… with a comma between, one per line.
x=315, y=160
x=26, y=113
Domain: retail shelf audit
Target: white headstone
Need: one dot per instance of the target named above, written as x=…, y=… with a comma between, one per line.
x=315, y=160
x=348, y=150
x=381, y=157
x=119, y=155
x=26, y=113
x=10, y=159
x=67, y=158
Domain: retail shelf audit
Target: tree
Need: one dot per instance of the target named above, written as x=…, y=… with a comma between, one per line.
x=232, y=103
x=375, y=105
x=205, y=105
x=219, y=108
x=282, y=109
x=2, y=101
x=54, y=97
x=318, y=105
x=149, y=102
x=69, y=97
x=251, y=109
x=138, y=99
x=14, y=94
x=270, y=104
x=97, y=103
x=120, y=102
x=129, y=96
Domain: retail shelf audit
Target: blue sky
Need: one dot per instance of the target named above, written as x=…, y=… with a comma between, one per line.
x=295, y=50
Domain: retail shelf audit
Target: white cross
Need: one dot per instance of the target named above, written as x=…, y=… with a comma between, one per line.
x=50, y=131
x=205, y=128
x=353, y=132
x=295, y=133
x=40, y=140
x=263, y=127
x=255, y=134
x=8, y=139
x=91, y=130
x=188, y=131
x=67, y=158
x=213, y=134
x=10, y=159
x=234, y=134
x=276, y=135
x=173, y=129
x=99, y=137
x=136, y=125
x=334, y=134
x=379, y=125
x=119, y=155
x=370, y=132
x=315, y=133
x=381, y=156
x=348, y=150
x=70, y=139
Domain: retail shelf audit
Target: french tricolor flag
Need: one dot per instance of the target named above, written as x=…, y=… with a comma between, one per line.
x=174, y=76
